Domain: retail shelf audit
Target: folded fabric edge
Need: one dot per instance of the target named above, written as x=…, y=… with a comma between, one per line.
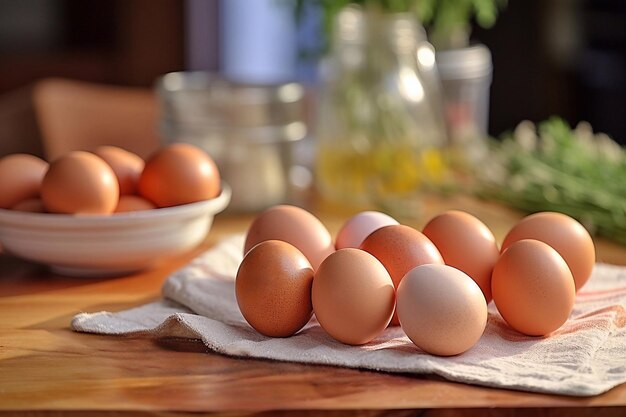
x=145, y=318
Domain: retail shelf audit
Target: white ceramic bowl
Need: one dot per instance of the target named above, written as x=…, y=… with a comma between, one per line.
x=98, y=245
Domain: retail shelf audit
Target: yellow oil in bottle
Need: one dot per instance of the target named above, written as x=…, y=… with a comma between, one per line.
x=384, y=171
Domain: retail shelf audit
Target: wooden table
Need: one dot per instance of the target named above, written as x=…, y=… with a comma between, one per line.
x=47, y=369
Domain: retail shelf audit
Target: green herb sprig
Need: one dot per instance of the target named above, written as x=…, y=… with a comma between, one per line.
x=444, y=19
x=555, y=168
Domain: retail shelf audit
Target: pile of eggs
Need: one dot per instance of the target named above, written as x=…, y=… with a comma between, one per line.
x=108, y=180
x=435, y=284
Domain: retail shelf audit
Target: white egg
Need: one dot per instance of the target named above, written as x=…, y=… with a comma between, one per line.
x=441, y=309
x=358, y=227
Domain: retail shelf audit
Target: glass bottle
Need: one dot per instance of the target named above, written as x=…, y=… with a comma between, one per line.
x=380, y=127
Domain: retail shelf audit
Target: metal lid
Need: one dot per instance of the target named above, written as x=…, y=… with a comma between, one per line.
x=471, y=62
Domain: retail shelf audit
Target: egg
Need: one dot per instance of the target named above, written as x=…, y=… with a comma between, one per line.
x=441, y=309
x=533, y=288
x=32, y=205
x=179, y=174
x=358, y=227
x=465, y=243
x=570, y=239
x=353, y=296
x=295, y=226
x=80, y=183
x=126, y=165
x=273, y=288
x=133, y=203
x=20, y=178
x=401, y=248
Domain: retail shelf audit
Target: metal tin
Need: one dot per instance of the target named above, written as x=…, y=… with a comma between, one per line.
x=246, y=128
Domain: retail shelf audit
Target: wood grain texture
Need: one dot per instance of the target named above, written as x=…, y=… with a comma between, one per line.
x=463, y=412
x=46, y=369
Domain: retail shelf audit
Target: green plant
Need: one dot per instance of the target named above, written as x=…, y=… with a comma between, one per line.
x=448, y=21
x=559, y=169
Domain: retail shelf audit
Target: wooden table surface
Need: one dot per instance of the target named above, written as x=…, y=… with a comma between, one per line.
x=47, y=369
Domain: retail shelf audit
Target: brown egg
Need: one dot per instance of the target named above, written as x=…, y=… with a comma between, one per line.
x=80, y=183
x=401, y=248
x=353, y=296
x=179, y=174
x=126, y=165
x=32, y=205
x=20, y=178
x=441, y=309
x=533, y=288
x=570, y=239
x=133, y=203
x=273, y=288
x=466, y=244
x=295, y=226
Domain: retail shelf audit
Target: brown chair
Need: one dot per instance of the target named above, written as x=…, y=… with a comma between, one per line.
x=74, y=115
x=18, y=125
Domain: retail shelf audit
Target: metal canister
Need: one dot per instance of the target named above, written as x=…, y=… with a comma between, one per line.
x=247, y=129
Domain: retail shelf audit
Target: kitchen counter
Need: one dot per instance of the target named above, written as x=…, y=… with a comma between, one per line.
x=47, y=369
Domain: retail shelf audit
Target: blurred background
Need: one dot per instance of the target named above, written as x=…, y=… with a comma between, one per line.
x=386, y=117
x=565, y=57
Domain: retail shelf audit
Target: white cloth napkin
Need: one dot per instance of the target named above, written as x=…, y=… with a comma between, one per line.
x=587, y=356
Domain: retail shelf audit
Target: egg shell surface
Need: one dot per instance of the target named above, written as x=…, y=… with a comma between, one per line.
x=179, y=174
x=353, y=296
x=358, y=227
x=570, y=239
x=80, y=183
x=133, y=203
x=401, y=248
x=533, y=288
x=273, y=288
x=467, y=244
x=20, y=178
x=295, y=226
x=31, y=205
x=126, y=165
x=441, y=309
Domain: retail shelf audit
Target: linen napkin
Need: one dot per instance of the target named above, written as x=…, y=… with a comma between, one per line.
x=586, y=356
